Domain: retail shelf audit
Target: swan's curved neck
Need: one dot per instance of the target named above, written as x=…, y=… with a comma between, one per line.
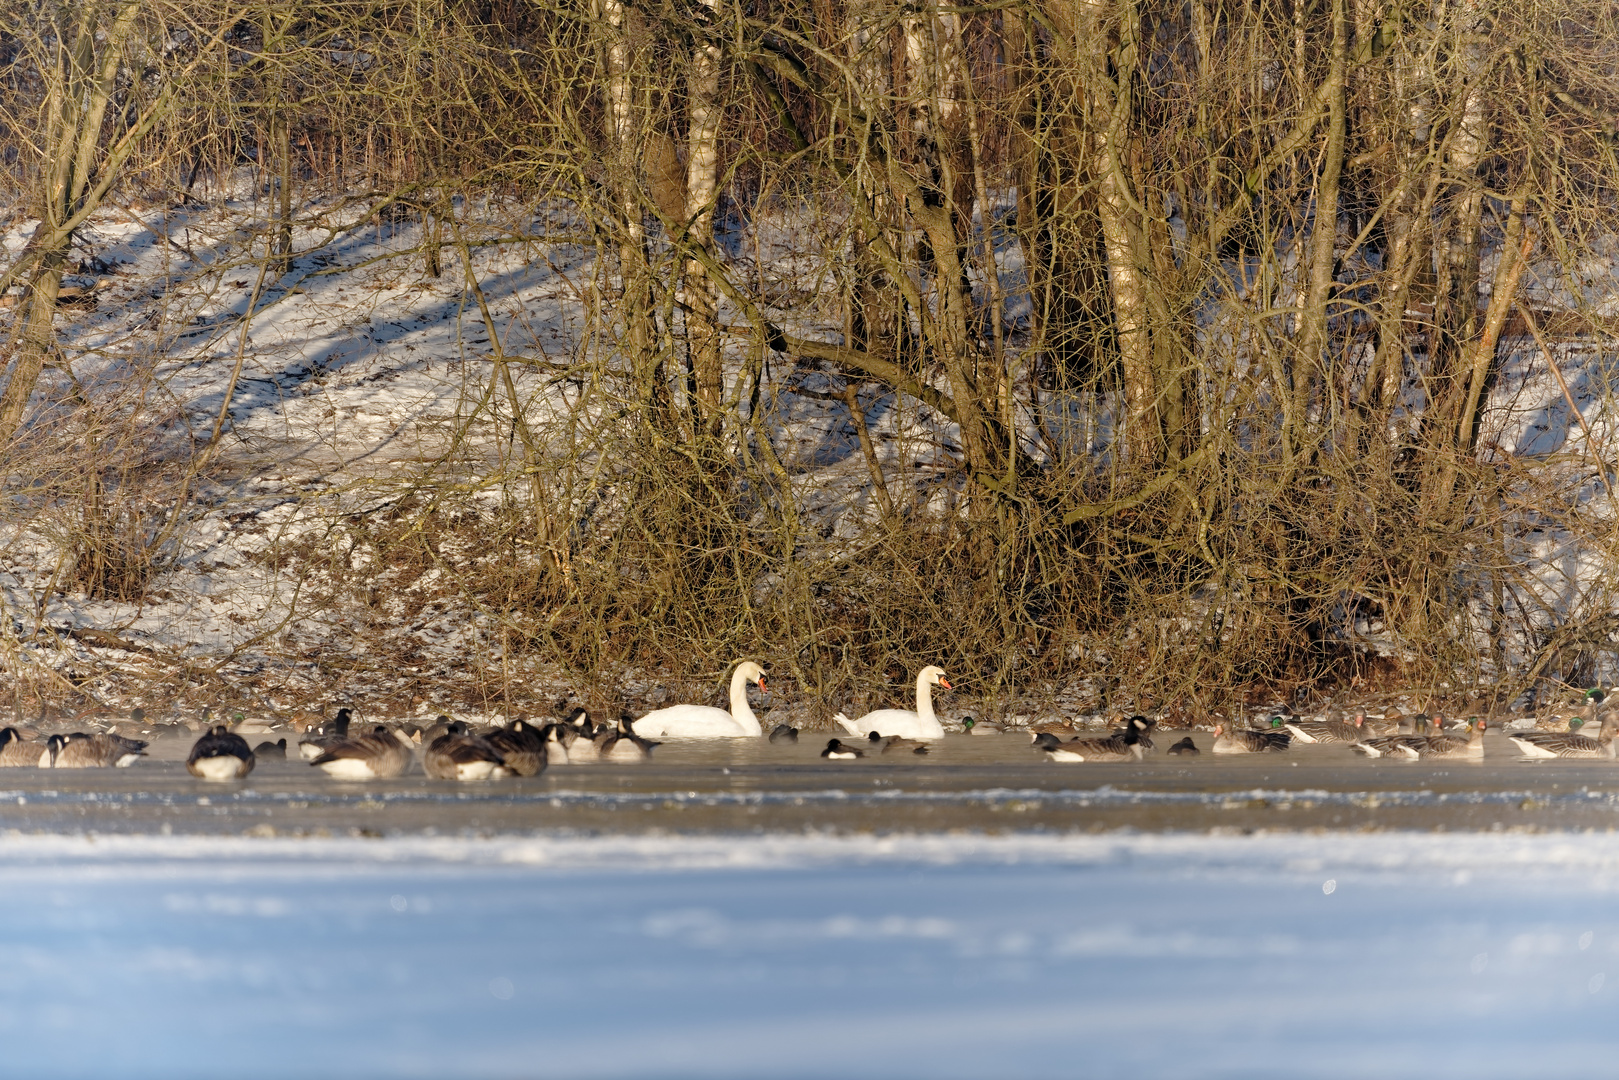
x=924, y=698
x=741, y=711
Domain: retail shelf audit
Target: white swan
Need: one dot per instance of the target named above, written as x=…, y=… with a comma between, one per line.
x=921, y=724
x=705, y=721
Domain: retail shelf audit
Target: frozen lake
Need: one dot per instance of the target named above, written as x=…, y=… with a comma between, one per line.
x=933, y=955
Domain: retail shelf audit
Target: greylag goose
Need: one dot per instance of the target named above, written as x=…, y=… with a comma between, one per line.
x=1329, y=730
x=1567, y=744
x=1239, y=741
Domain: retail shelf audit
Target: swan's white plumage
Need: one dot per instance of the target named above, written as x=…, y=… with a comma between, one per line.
x=921, y=724
x=705, y=721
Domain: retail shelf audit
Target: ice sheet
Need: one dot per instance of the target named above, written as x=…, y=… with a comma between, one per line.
x=808, y=956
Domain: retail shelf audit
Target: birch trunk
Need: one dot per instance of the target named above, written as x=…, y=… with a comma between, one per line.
x=702, y=174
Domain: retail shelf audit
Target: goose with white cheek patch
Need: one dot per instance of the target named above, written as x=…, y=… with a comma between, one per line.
x=378, y=755
x=326, y=736
x=556, y=744
x=920, y=724
x=81, y=751
x=840, y=751
x=1120, y=746
x=624, y=744
x=705, y=721
x=522, y=746
x=17, y=752
x=460, y=755
x=220, y=755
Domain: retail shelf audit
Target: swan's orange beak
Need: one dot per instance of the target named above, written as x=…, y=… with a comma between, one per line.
x=944, y=682
x=762, y=689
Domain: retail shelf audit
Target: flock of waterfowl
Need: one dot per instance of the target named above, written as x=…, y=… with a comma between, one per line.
x=454, y=750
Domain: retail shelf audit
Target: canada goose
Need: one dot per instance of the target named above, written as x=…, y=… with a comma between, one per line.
x=522, y=746
x=839, y=751
x=1186, y=747
x=705, y=721
x=783, y=733
x=1143, y=729
x=882, y=744
x=374, y=756
x=921, y=724
x=1329, y=730
x=970, y=726
x=556, y=744
x=1454, y=745
x=1567, y=744
x=81, y=751
x=624, y=744
x=1121, y=746
x=268, y=750
x=460, y=755
x=17, y=752
x=1249, y=742
x=220, y=755
x=325, y=736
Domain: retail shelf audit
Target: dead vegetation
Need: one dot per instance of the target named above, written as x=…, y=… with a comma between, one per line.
x=1195, y=319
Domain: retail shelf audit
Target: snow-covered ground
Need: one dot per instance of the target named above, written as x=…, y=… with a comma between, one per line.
x=808, y=956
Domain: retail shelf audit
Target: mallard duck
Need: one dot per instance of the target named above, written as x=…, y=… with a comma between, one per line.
x=81, y=751
x=17, y=752
x=839, y=751
x=267, y=750
x=326, y=735
x=1249, y=742
x=378, y=755
x=220, y=755
x=522, y=747
x=970, y=726
x=1063, y=729
x=1186, y=747
x=882, y=744
x=460, y=755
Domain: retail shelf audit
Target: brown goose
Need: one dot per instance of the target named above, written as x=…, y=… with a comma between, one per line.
x=460, y=755
x=81, y=751
x=1454, y=746
x=17, y=752
x=220, y=755
x=522, y=746
x=1249, y=742
x=374, y=756
x=1567, y=744
x=1329, y=730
